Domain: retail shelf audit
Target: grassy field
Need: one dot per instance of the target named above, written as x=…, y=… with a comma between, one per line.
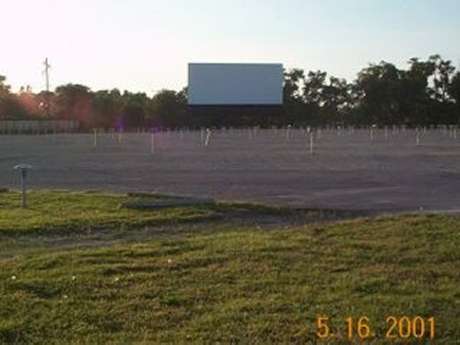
x=208, y=279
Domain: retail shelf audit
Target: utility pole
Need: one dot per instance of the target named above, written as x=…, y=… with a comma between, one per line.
x=47, y=80
x=47, y=76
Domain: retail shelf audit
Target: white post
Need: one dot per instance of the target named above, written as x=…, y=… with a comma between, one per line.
x=311, y=143
x=152, y=143
x=417, y=137
x=95, y=137
x=208, y=137
x=288, y=129
x=24, y=188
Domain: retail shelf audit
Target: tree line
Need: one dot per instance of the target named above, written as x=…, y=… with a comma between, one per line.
x=426, y=93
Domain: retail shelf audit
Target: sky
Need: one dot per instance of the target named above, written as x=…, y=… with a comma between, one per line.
x=145, y=45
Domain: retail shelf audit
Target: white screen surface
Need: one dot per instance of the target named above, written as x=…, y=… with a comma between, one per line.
x=235, y=84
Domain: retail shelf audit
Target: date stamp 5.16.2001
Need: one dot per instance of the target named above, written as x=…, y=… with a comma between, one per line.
x=363, y=328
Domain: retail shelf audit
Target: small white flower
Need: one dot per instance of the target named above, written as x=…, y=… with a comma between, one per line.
x=169, y=261
x=13, y=277
x=74, y=278
x=65, y=296
x=116, y=279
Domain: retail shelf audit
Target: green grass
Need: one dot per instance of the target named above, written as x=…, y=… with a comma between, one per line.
x=61, y=211
x=54, y=211
x=228, y=284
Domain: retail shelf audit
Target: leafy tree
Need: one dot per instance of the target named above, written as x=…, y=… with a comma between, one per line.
x=107, y=108
x=454, y=88
x=10, y=104
x=442, y=105
x=28, y=101
x=168, y=108
x=134, y=109
x=381, y=93
x=74, y=102
x=415, y=101
x=46, y=101
x=443, y=71
x=454, y=93
x=292, y=84
x=313, y=88
x=294, y=106
x=4, y=95
x=4, y=88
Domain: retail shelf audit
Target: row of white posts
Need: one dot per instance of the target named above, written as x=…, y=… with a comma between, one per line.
x=205, y=138
x=313, y=134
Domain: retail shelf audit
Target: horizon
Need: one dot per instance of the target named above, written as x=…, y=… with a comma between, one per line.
x=147, y=46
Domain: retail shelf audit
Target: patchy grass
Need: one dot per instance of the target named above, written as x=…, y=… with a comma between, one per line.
x=240, y=286
x=61, y=211
x=52, y=212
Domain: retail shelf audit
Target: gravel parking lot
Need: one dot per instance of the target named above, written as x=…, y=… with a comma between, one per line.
x=349, y=169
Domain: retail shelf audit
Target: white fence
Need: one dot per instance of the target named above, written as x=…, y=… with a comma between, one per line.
x=37, y=127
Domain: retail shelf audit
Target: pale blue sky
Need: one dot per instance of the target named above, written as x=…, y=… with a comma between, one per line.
x=145, y=45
